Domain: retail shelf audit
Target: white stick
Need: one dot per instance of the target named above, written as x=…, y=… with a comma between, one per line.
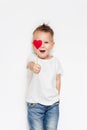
x=36, y=59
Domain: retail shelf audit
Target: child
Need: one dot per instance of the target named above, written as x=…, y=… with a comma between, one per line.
x=44, y=88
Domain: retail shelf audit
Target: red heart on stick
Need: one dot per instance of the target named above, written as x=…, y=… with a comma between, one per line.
x=37, y=43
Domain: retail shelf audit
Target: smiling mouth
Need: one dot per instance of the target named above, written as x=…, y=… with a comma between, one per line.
x=42, y=51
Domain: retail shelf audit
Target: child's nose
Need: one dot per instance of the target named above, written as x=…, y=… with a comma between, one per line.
x=42, y=44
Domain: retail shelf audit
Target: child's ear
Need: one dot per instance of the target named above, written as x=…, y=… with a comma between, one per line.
x=32, y=44
x=53, y=43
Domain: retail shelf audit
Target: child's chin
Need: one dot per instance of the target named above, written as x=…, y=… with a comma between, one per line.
x=42, y=57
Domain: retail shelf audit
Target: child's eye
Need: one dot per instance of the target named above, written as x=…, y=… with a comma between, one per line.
x=46, y=42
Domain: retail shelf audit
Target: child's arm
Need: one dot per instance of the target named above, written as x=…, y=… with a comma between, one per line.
x=34, y=67
x=58, y=83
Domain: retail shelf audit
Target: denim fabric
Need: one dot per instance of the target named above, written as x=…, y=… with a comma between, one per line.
x=41, y=117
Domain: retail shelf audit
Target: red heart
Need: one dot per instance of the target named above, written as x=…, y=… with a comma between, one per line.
x=37, y=43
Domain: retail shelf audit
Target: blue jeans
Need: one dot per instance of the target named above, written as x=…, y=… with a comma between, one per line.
x=41, y=117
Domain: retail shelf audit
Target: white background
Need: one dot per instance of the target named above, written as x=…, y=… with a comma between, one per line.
x=68, y=18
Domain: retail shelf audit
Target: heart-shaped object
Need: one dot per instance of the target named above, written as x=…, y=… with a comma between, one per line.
x=37, y=43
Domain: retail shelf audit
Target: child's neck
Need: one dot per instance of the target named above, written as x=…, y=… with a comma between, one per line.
x=45, y=58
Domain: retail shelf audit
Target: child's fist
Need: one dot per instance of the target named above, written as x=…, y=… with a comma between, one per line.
x=36, y=68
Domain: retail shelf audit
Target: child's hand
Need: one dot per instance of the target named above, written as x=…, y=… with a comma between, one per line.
x=36, y=68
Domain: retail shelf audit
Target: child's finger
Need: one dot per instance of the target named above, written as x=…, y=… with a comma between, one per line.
x=38, y=66
x=36, y=70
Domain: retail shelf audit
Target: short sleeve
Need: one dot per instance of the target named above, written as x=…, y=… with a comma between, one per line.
x=31, y=57
x=59, y=69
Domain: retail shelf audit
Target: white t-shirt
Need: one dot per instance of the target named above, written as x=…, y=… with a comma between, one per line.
x=42, y=86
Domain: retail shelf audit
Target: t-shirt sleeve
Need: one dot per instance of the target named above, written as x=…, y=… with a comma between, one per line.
x=59, y=69
x=31, y=57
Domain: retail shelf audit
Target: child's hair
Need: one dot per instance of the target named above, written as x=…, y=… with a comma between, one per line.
x=44, y=28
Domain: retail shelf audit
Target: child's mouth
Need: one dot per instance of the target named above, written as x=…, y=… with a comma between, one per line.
x=42, y=51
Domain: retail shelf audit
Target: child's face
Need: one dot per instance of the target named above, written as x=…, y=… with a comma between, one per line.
x=47, y=44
